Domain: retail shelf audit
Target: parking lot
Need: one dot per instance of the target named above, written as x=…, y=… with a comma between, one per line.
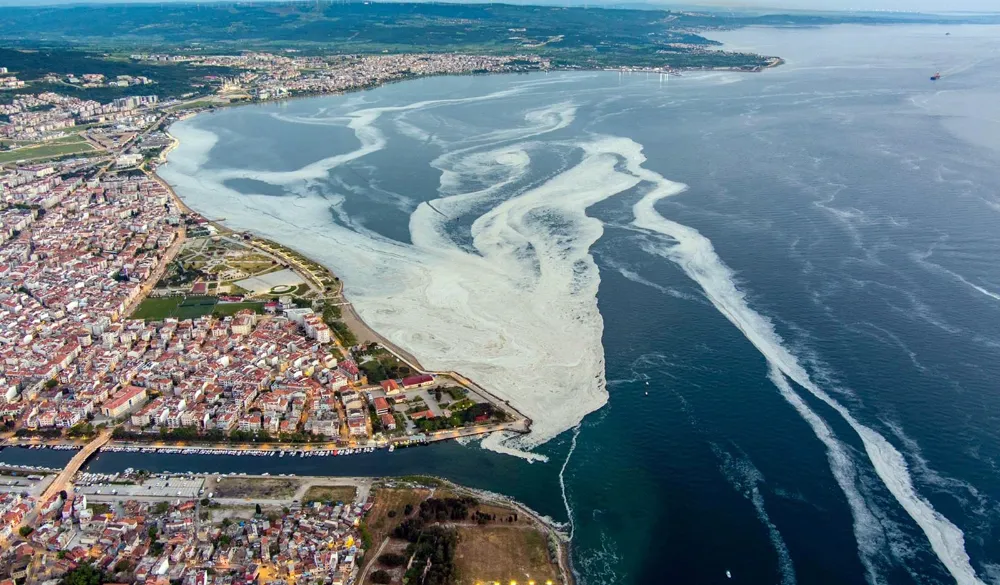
x=169, y=488
x=22, y=485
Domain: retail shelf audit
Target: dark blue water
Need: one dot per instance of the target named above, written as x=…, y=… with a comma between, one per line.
x=812, y=398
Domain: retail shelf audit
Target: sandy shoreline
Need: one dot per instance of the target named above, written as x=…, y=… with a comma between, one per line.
x=361, y=329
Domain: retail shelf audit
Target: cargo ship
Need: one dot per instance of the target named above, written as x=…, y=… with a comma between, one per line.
x=936, y=76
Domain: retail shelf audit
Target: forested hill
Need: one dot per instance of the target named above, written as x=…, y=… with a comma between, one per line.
x=570, y=36
x=373, y=26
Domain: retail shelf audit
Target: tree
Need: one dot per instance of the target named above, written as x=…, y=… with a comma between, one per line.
x=84, y=574
x=25, y=531
x=381, y=577
x=391, y=559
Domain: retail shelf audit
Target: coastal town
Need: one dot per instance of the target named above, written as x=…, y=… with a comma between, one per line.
x=127, y=310
x=139, y=527
x=129, y=323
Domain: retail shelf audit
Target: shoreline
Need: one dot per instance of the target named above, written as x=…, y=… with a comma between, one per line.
x=675, y=72
x=352, y=318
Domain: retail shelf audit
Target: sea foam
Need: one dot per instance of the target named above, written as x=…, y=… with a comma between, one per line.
x=696, y=256
x=511, y=304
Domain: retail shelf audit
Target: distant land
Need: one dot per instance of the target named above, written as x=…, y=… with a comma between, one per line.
x=570, y=36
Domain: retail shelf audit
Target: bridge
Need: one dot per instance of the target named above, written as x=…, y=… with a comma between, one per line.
x=66, y=475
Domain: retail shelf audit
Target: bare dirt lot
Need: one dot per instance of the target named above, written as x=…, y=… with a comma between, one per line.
x=256, y=487
x=330, y=493
x=390, y=500
x=503, y=553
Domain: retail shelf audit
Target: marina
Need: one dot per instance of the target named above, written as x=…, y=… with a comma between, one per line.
x=246, y=452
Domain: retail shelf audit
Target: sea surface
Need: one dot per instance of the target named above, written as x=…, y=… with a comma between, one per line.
x=754, y=318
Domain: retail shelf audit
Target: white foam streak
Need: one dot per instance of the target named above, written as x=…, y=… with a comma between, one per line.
x=562, y=481
x=639, y=279
x=695, y=254
x=362, y=122
x=933, y=267
x=746, y=478
x=867, y=531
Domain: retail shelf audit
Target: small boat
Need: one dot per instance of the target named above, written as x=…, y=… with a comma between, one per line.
x=936, y=76
x=728, y=574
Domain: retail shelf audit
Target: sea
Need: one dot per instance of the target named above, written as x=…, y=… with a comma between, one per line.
x=754, y=318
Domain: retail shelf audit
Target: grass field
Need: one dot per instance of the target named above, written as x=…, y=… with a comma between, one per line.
x=45, y=151
x=193, y=307
x=258, y=487
x=330, y=493
x=155, y=309
x=503, y=553
x=233, y=308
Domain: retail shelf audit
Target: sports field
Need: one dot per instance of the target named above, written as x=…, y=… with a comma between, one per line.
x=157, y=309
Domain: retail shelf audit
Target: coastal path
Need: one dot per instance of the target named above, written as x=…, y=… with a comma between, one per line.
x=370, y=562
